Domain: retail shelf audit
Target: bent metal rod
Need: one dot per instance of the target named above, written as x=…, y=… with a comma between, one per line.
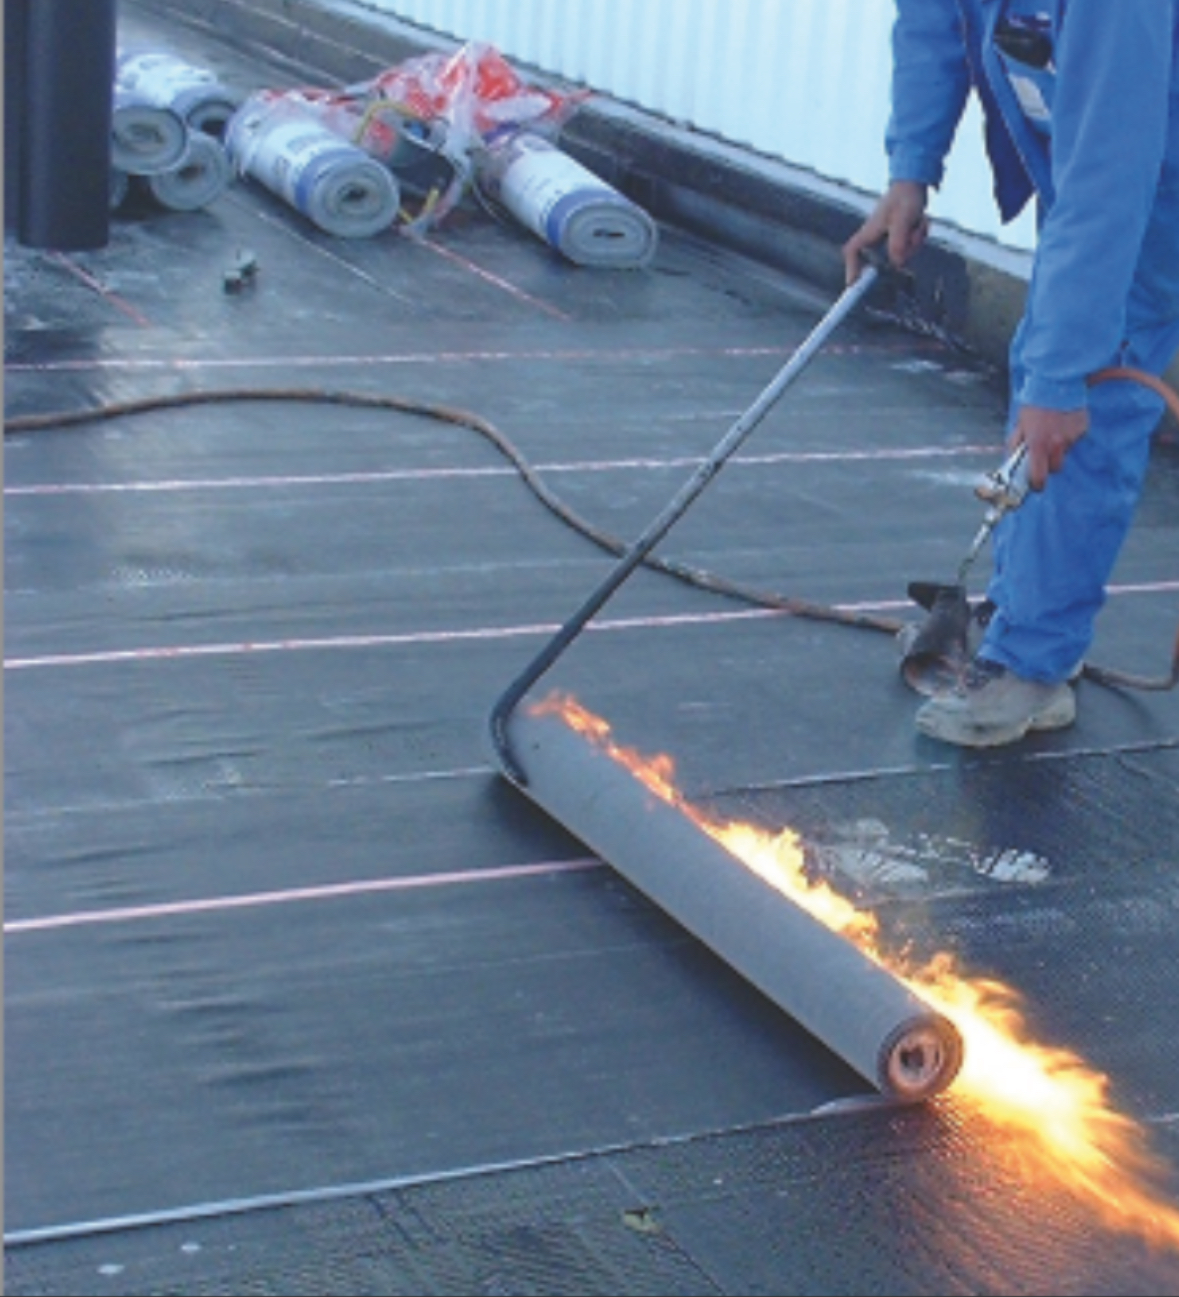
x=674, y=510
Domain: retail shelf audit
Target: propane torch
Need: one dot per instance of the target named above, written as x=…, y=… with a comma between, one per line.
x=1002, y=490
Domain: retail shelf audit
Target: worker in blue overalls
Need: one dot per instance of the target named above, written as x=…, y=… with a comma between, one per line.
x=1081, y=104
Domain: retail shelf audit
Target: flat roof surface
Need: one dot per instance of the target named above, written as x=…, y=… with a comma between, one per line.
x=302, y=994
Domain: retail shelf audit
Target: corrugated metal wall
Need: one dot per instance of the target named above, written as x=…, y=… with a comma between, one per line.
x=805, y=81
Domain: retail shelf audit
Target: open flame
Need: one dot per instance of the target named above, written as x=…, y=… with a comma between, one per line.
x=1058, y=1107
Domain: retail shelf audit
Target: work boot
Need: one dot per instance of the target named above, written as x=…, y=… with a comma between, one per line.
x=991, y=706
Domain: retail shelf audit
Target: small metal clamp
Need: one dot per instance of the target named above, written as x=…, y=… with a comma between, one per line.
x=242, y=273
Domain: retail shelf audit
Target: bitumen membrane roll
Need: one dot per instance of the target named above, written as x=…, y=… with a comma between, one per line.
x=575, y=211
x=146, y=137
x=203, y=175
x=822, y=980
x=193, y=93
x=335, y=184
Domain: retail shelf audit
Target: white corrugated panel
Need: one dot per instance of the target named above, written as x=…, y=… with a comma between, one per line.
x=805, y=81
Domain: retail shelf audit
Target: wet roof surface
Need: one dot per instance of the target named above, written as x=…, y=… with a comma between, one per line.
x=302, y=995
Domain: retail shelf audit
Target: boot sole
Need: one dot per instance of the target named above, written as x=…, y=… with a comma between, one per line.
x=1058, y=714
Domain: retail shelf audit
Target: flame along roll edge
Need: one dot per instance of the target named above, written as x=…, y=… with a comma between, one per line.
x=856, y=1007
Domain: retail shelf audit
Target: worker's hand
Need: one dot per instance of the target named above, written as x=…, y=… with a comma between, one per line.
x=899, y=218
x=1048, y=435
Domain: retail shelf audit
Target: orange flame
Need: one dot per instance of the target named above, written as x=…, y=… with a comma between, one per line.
x=1059, y=1108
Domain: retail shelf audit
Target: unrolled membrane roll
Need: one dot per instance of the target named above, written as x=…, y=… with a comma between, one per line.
x=202, y=176
x=194, y=93
x=854, y=1005
x=336, y=185
x=145, y=137
x=578, y=213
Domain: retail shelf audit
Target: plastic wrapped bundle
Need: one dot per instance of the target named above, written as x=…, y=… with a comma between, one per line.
x=145, y=137
x=576, y=212
x=335, y=184
x=381, y=128
x=193, y=93
x=202, y=176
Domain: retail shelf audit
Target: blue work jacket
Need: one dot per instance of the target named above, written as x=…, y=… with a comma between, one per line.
x=1081, y=104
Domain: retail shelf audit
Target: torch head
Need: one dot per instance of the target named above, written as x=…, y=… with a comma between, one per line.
x=936, y=651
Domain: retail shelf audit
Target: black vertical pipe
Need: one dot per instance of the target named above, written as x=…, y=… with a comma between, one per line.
x=61, y=56
x=16, y=28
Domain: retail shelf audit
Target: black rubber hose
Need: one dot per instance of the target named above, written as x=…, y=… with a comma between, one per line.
x=466, y=419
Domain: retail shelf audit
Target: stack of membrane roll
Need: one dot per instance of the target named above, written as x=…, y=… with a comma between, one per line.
x=279, y=140
x=573, y=210
x=167, y=126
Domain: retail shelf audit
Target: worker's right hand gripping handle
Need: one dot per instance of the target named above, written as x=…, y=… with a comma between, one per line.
x=876, y=260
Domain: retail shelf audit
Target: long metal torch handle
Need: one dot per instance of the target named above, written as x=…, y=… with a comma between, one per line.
x=638, y=551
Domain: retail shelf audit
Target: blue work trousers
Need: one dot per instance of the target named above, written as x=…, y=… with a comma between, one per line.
x=1053, y=556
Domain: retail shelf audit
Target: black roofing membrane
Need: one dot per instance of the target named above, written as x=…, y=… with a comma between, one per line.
x=301, y=995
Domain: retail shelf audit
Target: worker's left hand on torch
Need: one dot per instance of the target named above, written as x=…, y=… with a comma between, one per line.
x=1048, y=436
